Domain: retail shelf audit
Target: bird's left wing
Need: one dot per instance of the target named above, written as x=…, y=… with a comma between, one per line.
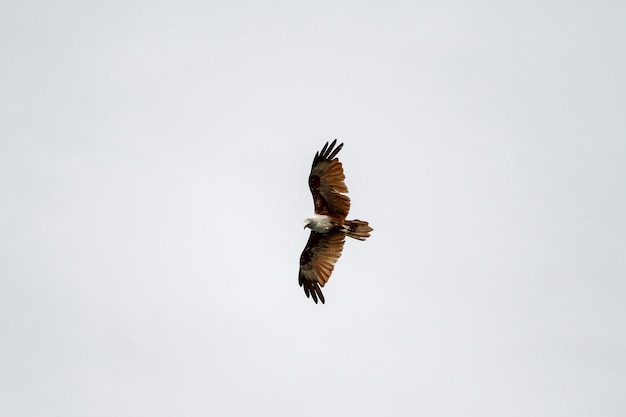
x=327, y=182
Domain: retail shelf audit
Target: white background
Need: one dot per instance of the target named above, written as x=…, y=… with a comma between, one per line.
x=153, y=177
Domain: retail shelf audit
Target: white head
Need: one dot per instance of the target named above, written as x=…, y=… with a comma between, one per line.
x=319, y=223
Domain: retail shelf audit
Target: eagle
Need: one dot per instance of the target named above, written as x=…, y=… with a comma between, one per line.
x=328, y=225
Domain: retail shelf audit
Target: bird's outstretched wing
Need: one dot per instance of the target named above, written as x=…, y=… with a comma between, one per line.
x=327, y=183
x=318, y=261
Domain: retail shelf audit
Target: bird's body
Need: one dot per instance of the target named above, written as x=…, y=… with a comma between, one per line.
x=328, y=225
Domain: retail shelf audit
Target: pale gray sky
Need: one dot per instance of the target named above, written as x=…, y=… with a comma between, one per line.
x=153, y=170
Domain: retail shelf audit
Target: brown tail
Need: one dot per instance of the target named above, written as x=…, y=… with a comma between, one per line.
x=358, y=229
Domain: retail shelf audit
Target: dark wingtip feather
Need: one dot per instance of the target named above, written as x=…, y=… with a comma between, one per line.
x=316, y=159
x=311, y=289
x=329, y=149
x=336, y=151
x=323, y=151
x=328, y=152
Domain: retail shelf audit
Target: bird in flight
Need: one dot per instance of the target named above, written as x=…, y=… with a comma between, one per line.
x=328, y=225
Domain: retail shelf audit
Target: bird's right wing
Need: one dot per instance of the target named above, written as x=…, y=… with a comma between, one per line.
x=318, y=261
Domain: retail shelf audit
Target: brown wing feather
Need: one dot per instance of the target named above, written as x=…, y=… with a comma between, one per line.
x=318, y=261
x=327, y=183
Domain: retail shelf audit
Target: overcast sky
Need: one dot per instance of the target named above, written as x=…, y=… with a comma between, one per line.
x=153, y=177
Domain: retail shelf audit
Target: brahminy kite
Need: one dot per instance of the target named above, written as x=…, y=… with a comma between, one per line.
x=328, y=225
